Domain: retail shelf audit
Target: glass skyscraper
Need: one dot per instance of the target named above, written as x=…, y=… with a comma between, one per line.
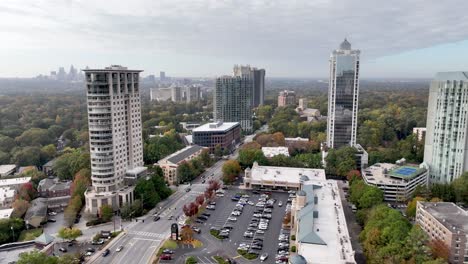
x=343, y=94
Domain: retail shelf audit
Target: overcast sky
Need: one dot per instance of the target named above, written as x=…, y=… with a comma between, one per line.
x=290, y=38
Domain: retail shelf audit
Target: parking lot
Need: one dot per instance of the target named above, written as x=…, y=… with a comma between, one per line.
x=238, y=225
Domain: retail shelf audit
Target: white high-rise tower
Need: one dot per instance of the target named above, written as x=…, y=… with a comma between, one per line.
x=446, y=147
x=115, y=140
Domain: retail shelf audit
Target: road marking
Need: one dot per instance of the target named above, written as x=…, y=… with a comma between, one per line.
x=147, y=239
x=238, y=256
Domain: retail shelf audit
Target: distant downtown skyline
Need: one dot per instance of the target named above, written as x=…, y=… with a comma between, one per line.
x=287, y=38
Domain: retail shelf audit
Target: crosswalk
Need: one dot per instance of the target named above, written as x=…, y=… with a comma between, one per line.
x=205, y=260
x=148, y=234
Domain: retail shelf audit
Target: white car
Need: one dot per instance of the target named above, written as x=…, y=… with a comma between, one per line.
x=251, y=203
x=232, y=218
x=263, y=257
x=119, y=249
x=89, y=253
x=280, y=203
x=263, y=227
x=220, y=195
x=259, y=231
x=236, y=213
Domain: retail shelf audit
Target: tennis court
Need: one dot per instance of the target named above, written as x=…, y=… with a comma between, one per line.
x=404, y=171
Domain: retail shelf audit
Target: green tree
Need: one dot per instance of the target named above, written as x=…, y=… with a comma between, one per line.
x=460, y=188
x=4, y=157
x=6, y=225
x=69, y=233
x=205, y=158
x=411, y=209
x=36, y=257
x=341, y=161
x=146, y=192
x=160, y=186
x=416, y=247
x=47, y=153
x=106, y=212
x=27, y=156
x=231, y=169
x=69, y=259
x=6, y=143
x=69, y=216
x=184, y=172
x=248, y=156
x=371, y=196
x=34, y=137
x=218, y=151
x=70, y=163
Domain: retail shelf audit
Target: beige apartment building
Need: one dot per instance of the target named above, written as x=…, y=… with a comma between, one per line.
x=170, y=163
x=448, y=223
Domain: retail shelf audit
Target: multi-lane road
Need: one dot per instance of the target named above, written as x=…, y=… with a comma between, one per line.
x=141, y=238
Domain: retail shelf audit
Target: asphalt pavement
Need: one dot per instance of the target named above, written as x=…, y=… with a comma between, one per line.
x=142, y=238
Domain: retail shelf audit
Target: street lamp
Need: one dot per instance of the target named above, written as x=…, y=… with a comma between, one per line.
x=13, y=231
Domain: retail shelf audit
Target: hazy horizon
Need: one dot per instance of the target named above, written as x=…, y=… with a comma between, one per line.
x=397, y=39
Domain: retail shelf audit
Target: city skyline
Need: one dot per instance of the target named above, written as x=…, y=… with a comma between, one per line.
x=401, y=40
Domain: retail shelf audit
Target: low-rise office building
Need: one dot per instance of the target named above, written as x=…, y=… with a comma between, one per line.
x=210, y=135
x=319, y=224
x=14, y=183
x=49, y=188
x=279, y=178
x=270, y=152
x=446, y=223
x=170, y=163
x=396, y=181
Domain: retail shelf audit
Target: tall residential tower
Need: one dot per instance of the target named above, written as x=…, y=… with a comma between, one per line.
x=258, y=82
x=115, y=140
x=343, y=93
x=446, y=147
x=232, y=101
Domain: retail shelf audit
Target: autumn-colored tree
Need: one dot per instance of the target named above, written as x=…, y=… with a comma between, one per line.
x=27, y=192
x=80, y=183
x=251, y=145
x=435, y=200
x=69, y=216
x=20, y=207
x=186, y=233
x=231, y=169
x=287, y=218
x=278, y=137
x=193, y=209
x=439, y=249
x=208, y=194
x=214, y=185
x=200, y=199
x=353, y=174
x=186, y=210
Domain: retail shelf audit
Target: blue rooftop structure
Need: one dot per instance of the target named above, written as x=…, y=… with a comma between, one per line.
x=306, y=217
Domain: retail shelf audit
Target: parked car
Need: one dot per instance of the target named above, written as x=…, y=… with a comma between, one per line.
x=263, y=257
x=52, y=220
x=52, y=213
x=232, y=219
x=106, y=252
x=196, y=229
x=98, y=242
x=280, y=203
x=156, y=218
x=210, y=207
x=62, y=249
x=90, y=249
x=168, y=251
x=165, y=257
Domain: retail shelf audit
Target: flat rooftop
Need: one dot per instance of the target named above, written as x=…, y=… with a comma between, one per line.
x=326, y=238
x=448, y=214
x=285, y=174
x=14, y=181
x=7, y=168
x=216, y=127
x=387, y=173
x=182, y=154
x=270, y=152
